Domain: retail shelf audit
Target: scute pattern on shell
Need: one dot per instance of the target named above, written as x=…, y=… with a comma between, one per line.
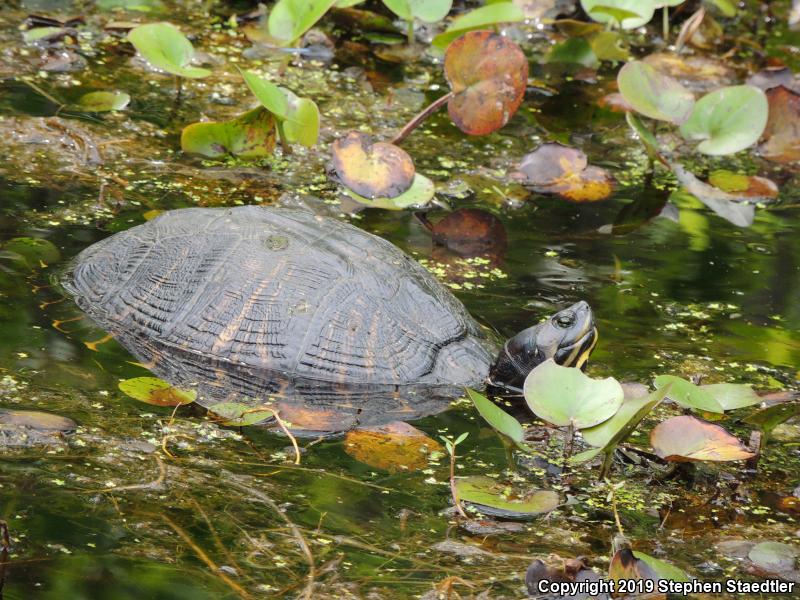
x=276, y=290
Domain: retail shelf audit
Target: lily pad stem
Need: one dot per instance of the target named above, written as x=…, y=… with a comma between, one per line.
x=410, y=33
x=607, y=461
x=453, y=489
x=665, y=24
x=419, y=118
x=287, y=149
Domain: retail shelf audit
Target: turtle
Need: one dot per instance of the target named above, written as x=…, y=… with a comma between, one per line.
x=247, y=302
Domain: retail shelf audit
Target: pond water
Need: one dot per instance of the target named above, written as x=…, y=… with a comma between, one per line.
x=138, y=504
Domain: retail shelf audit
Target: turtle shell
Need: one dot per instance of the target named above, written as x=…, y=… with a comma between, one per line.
x=276, y=294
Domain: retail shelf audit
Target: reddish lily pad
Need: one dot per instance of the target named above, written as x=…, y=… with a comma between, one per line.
x=248, y=136
x=688, y=439
x=393, y=447
x=564, y=171
x=488, y=74
x=372, y=169
x=782, y=134
x=155, y=391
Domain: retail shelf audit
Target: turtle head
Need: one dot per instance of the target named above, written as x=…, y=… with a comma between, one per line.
x=568, y=337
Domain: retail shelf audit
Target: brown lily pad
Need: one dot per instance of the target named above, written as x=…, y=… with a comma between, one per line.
x=393, y=447
x=488, y=74
x=565, y=171
x=781, y=138
x=372, y=169
x=745, y=186
x=689, y=439
x=469, y=232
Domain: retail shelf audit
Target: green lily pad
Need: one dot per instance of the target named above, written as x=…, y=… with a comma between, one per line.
x=662, y=569
x=727, y=120
x=249, y=135
x=103, y=101
x=297, y=117
x=429, y=11
x=235, y=414
x=731, y=396
x=608, y=434
x=480, y=18
x=488, y=496
x=654, y=94
x=565, y=396
x=688, y=439
x=166, y=48
x=155, y=391
x=628, y=14
x=688, y=395
x=497, y=417
x=290, y=19
x=420, y=193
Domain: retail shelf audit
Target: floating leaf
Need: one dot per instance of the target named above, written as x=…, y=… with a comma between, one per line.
x=166, y=48
x=34, y=253
x=688, y=395
x=299, y=116
x=654, y=94
x=393, y=447
x=45, y=34
x=372, y=169
x=37, y=420
x=103, y=101
x=626, y=566
x=628, y=14
x=769, y=418
x=420, y=193
x=484, y=16
x=727, y=120
x=235, y=414
x=155, y=391
x=608, y=434
x=774, y=557
x=731, y=396
x=249, y=135
x=662, y=569
x=782, y=133
x=497, y=417
x=731, y=207
x=488, y=75
x=687, y=439
x=565, y=396
x=487, y=495
x=290, y=19
x=429, y=11
x=744, y=186
x=557, y=169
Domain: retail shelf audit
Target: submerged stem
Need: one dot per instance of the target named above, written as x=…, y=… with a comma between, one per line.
x=410, y=33
x=421, y=116
x=665, y=24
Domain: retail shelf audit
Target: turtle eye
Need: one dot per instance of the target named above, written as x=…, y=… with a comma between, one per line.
x=565, y=320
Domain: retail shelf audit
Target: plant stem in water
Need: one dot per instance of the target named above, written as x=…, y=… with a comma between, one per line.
x=665, y=24
x=419, y=118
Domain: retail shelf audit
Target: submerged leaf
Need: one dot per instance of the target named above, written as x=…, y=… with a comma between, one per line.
x=688, y=439
x=372, y=169
x=488, y=74
x=557, y=169
x=33, y=253
x=166, y=48
x=654, y=94
x=487, y=495
x=34, y=419
x=235, y=414
x=393, y=447
x=103, y=101
x=248, y=136
x=155, y=391
x=731, y=207
x=770, y=417
x=774, y=557
x=565, y=396
x=727, y=120
x=744, y=186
